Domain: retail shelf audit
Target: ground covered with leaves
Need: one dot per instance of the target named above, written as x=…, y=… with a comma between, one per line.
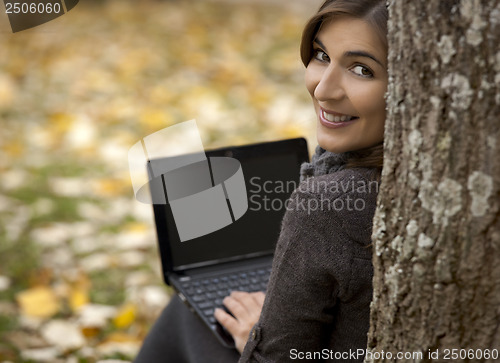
x=80, y=276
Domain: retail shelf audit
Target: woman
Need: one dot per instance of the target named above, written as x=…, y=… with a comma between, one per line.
x=318, y=297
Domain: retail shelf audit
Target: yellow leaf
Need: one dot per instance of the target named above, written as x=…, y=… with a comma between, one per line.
x=161, y=95
x=155, y=119
x=38, y=301
x=136, y=227
x=126, y=316
x=111, y=187
x=120, y=338
x=78, y=297
x=7, y=91
x=60, y=122
x=14, y=148
x=261, y=98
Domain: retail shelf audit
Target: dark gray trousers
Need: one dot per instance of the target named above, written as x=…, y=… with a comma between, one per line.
x=178, y=336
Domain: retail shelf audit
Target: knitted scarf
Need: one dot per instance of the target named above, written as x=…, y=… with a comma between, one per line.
x=323, y=162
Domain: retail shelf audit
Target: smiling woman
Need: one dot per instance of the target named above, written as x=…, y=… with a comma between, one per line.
x=320, y=288
x=347, y=82
x=371, y=17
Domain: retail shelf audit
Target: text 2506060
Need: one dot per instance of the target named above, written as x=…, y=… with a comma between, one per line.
x=33, y=7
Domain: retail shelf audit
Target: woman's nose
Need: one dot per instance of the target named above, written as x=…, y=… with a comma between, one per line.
x=330, y=85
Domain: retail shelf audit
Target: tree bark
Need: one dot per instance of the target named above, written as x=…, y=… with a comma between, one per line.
x=436, y=230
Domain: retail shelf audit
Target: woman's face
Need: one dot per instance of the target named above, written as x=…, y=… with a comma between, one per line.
x=347, y=80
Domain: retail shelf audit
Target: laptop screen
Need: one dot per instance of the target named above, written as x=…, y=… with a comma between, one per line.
x=271, y=173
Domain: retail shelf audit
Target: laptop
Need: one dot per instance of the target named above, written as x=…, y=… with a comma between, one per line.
x=206, y=268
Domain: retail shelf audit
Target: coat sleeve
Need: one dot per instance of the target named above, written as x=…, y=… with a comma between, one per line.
x=311, y=271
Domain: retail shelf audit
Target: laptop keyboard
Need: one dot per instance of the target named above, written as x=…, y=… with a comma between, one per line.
x=207, y=293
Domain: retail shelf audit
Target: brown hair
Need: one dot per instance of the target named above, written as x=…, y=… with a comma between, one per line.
x=375, y=13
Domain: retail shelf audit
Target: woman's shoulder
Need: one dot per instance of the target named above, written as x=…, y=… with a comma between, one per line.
x=341, y=202
x=349, y=181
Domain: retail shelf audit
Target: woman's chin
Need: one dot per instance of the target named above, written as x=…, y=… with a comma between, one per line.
x=329, y=143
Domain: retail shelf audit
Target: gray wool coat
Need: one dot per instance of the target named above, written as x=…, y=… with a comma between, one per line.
x=320, y=289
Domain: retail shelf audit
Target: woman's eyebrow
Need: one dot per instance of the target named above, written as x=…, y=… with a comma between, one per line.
x=361, y=53
x=316, y=40
x=353, y=53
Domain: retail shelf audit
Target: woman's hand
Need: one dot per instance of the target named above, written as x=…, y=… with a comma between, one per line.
x=246, y=308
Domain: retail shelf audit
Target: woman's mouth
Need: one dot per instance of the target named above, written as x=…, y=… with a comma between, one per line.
x=334, y=120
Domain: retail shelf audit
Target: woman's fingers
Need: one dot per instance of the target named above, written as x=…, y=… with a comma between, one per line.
x=236, y=304
x=247, y=301
x=246, y=308
x=227, y=321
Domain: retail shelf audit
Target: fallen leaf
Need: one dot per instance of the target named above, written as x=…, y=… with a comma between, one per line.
x=136, y=227
x=96, y=316
x=120, y=338
x=125, y=316
x=48, y=354
x=4, y=283
x=38, y=302
x=155, y=119
x=65, y=335
x=120, y=343
x=78, y=294
x=128, y=349
x=7, y=90
x=13, y=148
x=60, y=122
x=90, y=332
x=111, y=187
x=78, y=297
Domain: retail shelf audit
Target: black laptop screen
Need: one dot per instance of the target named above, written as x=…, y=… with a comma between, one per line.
x=270, y=178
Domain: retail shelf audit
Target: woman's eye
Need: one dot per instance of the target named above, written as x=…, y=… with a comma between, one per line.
x=362, y=71
x=321, y=56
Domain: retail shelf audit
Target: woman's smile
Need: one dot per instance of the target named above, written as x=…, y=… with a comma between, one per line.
x=334, y=119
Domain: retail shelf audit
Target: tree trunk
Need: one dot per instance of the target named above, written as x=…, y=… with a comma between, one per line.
x=436, y=230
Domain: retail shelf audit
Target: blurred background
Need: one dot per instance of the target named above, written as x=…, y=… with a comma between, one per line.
x=80, y=276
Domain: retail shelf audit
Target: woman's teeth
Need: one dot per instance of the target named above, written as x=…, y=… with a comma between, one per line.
x=333, y=118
